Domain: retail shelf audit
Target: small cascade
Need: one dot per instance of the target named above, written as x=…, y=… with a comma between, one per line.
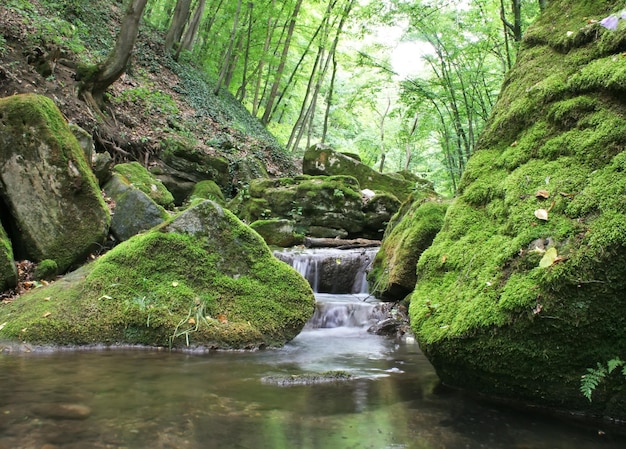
x=350, y=311
x=331, y=270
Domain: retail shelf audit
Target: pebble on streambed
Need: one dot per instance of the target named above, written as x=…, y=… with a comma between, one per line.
x=63, y=411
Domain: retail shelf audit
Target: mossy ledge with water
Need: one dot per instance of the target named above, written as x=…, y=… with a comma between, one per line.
x=490, y=311
x=201, y=280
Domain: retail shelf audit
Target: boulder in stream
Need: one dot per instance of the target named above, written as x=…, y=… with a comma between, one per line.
x=201, y=280
x=495, y=311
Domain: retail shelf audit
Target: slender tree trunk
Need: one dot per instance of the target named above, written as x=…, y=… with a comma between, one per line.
x=281, y=66
x=383, y=151
x=229, y=51
x=507, y=46
x=206, y=31
x=175, y=32
x=192, y=29
x=266, y=46
x=295, y=70
x=407, y=148
x=115, y=65
x=241, y=92
x=329, y=99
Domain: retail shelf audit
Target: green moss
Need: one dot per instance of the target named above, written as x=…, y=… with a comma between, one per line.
x=46, y=269
x=207, y=190
x=484, y=311
x=219, y=288
x=141, y=178
x=8, y=272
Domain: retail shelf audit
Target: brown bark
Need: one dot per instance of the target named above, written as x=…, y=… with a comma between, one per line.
x=281, y=65
x=313, y=242
x=115, y=65
x=175, y=32
x=192, y=29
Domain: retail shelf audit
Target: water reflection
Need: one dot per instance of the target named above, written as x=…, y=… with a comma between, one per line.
x=137, y=399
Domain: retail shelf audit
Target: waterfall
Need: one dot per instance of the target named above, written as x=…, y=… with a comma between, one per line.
x=353, y=311
x=331, y=270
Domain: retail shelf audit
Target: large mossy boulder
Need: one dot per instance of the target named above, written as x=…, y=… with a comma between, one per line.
x=524, y=287
x=323, y=160
x=54, y=207
x=201, y=280
x=410, y=232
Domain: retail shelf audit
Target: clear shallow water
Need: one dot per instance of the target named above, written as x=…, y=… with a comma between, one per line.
x=140, y=399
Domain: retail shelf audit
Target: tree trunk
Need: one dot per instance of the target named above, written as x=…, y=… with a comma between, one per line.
x=229, y=51
x=329, y=99
x=314, y=242
x=281, y=66
x=115, y=65
x=241, y=93
x=271, y=23
x=175, y=32
x=192, y=29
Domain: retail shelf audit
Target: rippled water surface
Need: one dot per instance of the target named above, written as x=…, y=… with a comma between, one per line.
x=141, y=399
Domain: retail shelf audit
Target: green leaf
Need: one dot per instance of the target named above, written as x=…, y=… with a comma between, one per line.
x=548, y=258
x=614, y=363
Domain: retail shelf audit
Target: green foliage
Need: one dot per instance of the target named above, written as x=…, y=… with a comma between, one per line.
x=152, y=101
x=595, y=376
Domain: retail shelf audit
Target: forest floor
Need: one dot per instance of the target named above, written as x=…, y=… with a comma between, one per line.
x=147, y=106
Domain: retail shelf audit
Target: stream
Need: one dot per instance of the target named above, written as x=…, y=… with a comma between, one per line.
x=390, y=397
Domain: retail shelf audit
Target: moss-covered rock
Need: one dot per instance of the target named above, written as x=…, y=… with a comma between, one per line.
x=203, y=279
x=8, y=271
x=323, y=160
x=134, y=210
x=378, y=211
x=207, y=190
x=138, y=176
x=494, y=311
x=55, y=206
x=408, y=235
x=183, y=164
x=278, y=232
x=332, y=202
x=46, y=269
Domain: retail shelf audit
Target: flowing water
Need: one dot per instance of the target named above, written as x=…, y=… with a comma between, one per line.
x=272, y=399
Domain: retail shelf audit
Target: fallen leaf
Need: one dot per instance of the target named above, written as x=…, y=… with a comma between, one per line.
x=541, y=214
x=47, y=314
x=191, y=321
x=444, y=258
x=542, y=194
x=3, y=324
x=222, y=318
x=174, y=284
x=548, y=258
x=47, y=299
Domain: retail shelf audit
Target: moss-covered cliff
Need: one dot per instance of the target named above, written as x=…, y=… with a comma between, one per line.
x=525, y=286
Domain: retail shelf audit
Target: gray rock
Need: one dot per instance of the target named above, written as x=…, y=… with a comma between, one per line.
x=134, y=210
x=51, y=194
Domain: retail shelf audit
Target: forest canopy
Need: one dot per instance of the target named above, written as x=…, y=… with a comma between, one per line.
x=406, y=84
